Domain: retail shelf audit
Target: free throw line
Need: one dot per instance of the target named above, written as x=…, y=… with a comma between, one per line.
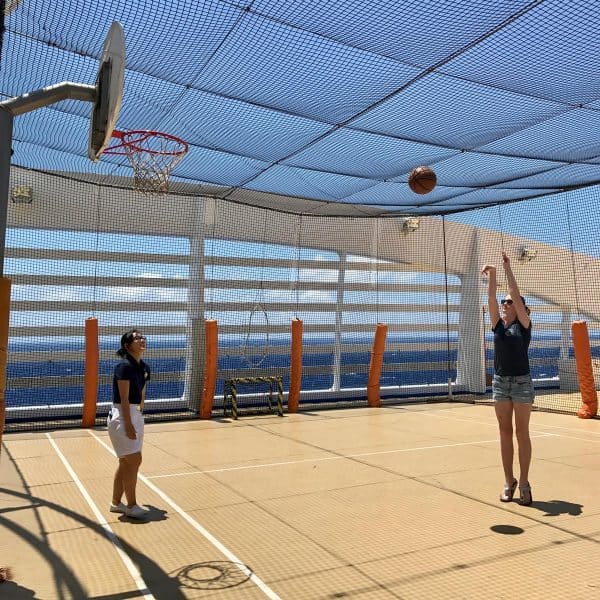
x=335, y=457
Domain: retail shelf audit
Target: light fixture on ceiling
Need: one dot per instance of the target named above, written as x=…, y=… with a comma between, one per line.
x=410, y=224
x=22, y=194
x=527, y=254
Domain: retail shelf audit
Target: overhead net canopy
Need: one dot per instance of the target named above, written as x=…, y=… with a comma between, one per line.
x=325, y=107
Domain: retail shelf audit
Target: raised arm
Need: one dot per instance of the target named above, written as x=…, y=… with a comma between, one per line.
x=514, y=292
x=490, y=272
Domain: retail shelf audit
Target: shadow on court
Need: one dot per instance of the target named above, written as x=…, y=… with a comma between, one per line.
x=14, y=591
x=554, y=508
x=212, y=575
x=507, y=529
x=154, y=514
x=159, y=582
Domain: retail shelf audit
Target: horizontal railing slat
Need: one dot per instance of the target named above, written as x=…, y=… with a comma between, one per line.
x=92, y=255
x=256, y=307
x=62, y=381
x=217, y=284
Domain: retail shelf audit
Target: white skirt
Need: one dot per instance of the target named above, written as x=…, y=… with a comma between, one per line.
x=116, y=430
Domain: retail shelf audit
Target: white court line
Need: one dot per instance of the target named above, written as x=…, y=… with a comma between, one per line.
x=336, y=457
x=133, y=570
x=571, y=429
x=493, y=424
x=205, y=533
x=574, y=437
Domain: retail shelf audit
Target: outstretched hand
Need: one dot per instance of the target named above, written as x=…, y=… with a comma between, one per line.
x=488, y=269
x=505, y=259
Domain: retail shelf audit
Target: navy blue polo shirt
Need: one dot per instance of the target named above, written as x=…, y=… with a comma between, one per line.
x=136, y=373
x=510, y=348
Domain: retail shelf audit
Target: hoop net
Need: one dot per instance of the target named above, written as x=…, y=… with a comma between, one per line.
x=152, y=155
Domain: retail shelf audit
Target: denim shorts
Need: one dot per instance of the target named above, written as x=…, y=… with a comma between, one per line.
x=515, y=388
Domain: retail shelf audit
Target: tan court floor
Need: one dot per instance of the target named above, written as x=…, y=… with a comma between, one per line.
x=397, y=502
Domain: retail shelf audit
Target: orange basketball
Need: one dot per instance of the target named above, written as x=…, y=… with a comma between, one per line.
x=422, y=180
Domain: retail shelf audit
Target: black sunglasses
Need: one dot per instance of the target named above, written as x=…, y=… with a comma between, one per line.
x=506, y=301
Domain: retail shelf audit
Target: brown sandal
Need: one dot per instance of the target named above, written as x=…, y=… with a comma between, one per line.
x=509, y=491
x=525, y=498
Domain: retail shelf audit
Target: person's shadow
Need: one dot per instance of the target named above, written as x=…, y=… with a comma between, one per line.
x=554, y=508
x=154, y=514
x=14, y=591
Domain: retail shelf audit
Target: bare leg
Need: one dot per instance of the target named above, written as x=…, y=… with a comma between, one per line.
x=129, y=466
x=118, y=485
x=504, y=411
x=522, y=414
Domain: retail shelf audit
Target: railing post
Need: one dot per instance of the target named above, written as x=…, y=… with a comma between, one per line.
x=210, y=370
x=296, y=367
x=90, y=380
x=585, y=373
x=373, y=386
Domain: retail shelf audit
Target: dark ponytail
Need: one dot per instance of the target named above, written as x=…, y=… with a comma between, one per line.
x=126, y=339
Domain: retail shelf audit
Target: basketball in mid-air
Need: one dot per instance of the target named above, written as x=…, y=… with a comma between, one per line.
x=422, y=180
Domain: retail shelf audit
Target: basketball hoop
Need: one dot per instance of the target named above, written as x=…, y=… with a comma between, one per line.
x=153, y=156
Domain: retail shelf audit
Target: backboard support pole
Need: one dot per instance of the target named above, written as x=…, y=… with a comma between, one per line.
x=6, y=127
x=67, y=90
x=19, y=105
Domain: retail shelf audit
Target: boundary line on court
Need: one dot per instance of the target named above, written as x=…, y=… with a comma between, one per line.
x=204, y=532
x=337, y=457
x=110, y=534
x=494, y=424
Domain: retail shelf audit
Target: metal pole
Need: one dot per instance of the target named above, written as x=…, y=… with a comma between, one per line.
x=67, y=90
x=19, y=105
x=6, y=127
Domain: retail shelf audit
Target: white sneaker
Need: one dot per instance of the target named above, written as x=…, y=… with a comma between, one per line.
x=118, y=508
x=136, y=512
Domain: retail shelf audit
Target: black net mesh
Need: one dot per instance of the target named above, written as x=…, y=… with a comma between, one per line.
x=303, y=121
x=293, y=106
x=167, y=264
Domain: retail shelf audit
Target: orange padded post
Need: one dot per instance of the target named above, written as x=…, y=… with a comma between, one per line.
x=210, y=368
x=4, y=320
x=296, y=366
x=585, y=374
x=373, y=387
x=90, y=378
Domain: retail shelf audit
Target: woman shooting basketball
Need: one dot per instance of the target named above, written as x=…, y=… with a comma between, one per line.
x=512, y=386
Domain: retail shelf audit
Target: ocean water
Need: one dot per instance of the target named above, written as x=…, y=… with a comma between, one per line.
x=274, y=357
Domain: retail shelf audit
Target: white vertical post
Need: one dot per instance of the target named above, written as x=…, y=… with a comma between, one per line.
x=567, y=369
x=470, y=368
x=339, y=307
x=565, y=334
x=196, y=343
